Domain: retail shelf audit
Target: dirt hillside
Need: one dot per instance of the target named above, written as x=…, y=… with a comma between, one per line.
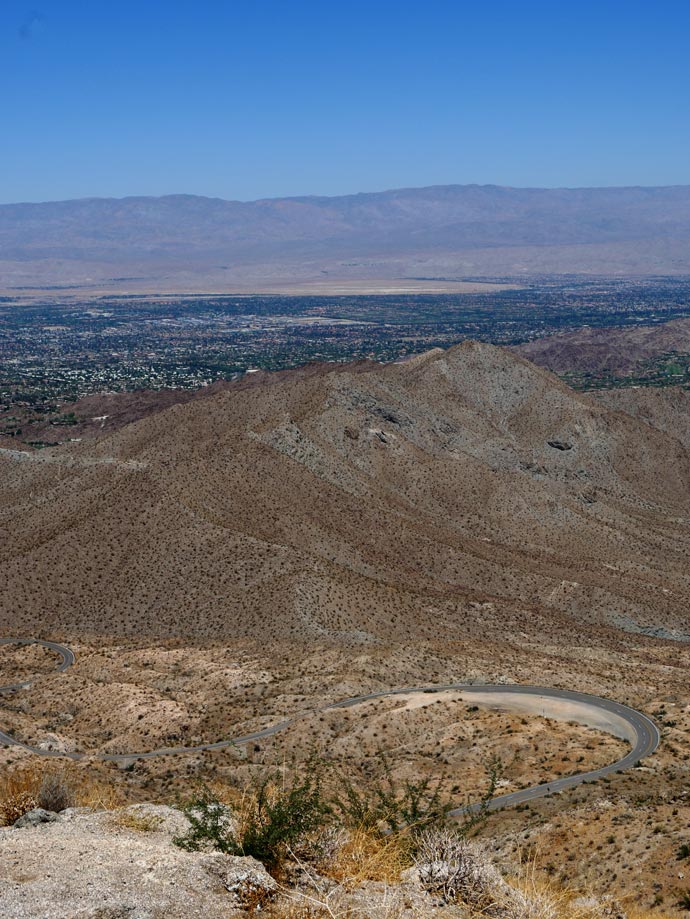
x=354, y=503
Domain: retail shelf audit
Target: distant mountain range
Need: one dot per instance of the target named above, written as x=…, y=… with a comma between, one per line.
x=183, y=242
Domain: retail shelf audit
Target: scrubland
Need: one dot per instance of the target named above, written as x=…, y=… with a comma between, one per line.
x=303, y=537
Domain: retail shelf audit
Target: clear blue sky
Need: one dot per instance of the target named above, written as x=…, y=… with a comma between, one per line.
x=258, y=98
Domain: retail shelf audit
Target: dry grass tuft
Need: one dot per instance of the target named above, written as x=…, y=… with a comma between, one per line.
x=528, y=895
x=337, y=903
x=52, y=787
x=633, y=913
x=15, y=805
x=364, y=855
x=142, y=823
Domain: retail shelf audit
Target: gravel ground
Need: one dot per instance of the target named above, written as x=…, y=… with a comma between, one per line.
x=89, y=866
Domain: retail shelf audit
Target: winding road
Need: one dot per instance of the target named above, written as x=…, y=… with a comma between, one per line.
x=612, y=717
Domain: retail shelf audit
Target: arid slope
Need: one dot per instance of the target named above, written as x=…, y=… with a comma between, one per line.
x=354, y=504
x=618, y=351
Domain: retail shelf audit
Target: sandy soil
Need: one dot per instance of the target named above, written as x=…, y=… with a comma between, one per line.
x=562, y=710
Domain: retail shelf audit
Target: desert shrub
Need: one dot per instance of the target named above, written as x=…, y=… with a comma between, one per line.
x=376, y=828
x=457, y=870
x=251, y=889
x=26, y=788
x=275, y=816
x=390, y=806
x=210, y=825
x=282, y=815
x=254, y=899
x=394, y=807
x=51, y=787
x=361, y=855
x=450, y=867
x=56, y=792
x=683, y=852
x=494, y=771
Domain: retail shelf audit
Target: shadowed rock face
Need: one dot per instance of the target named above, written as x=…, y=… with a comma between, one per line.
x=355, y=503
x=183, y=241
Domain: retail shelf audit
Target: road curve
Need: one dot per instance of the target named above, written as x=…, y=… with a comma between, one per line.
x=644, y=735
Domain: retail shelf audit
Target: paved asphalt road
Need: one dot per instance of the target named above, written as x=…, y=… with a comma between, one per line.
x=644, y=731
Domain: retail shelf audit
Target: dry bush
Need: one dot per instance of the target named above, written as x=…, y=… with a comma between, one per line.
x=52, y=787
x=307, y=910
x=20, y=791
x=634, y=913
x=454, y=869
x=56, y=791
x=97, y=794
x=365, y=855
x=337, y=903
x=528, y=895
x=256, y=900
x=515, y=902
x=458, y=871
x=291, y=909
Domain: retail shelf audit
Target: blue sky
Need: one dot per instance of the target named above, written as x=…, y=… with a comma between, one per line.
x=245, y=100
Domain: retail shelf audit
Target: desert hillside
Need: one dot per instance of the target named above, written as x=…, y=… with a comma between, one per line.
x=617, y=350
x=349, y=504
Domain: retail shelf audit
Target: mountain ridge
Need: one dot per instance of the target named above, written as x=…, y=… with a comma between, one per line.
x=456, y=231
x=355, y=504
x=619, y=350
x=442, y=186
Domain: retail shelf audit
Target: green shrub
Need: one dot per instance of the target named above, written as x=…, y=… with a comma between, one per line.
x=392, y=807
x=389, y=806
x=274, y=817
x=281, y=812
x=281, y=817
x=210, y=825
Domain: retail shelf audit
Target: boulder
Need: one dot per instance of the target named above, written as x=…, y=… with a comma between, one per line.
x=35, y=817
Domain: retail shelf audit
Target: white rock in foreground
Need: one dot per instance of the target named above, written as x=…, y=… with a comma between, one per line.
x=91, y=866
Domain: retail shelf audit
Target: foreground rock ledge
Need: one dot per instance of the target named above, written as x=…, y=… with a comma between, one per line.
x=119, y=865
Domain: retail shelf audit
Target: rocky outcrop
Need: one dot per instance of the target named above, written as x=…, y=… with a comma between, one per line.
x=124, y=864
x=121, y=865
